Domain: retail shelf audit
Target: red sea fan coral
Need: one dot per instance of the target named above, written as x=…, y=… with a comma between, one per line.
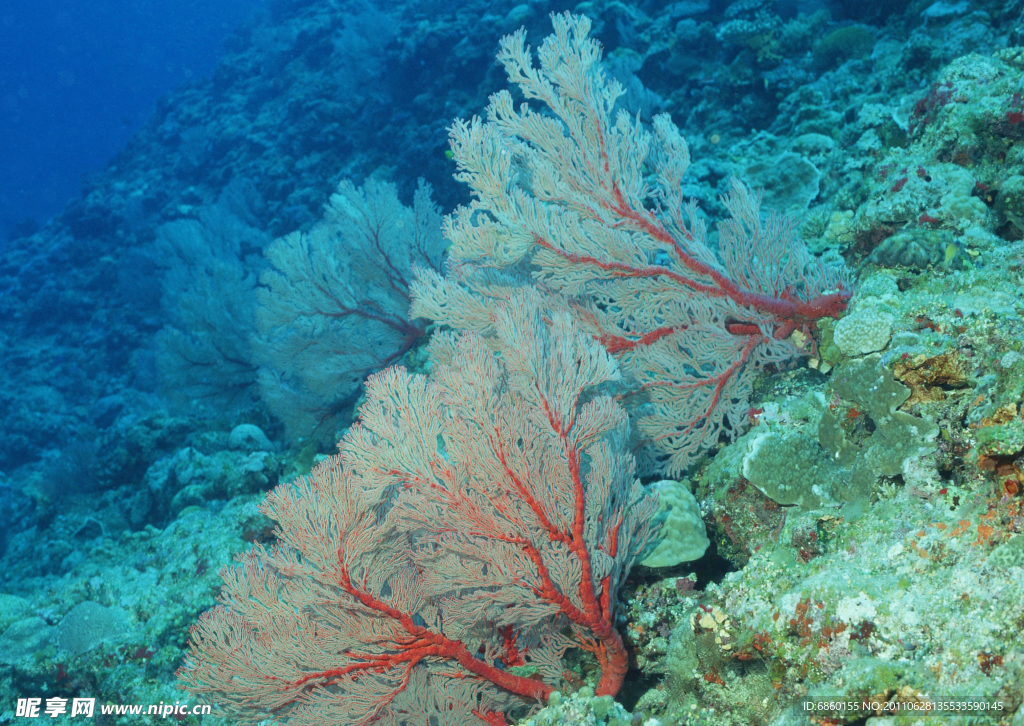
x=589, y=210
x=474, y=527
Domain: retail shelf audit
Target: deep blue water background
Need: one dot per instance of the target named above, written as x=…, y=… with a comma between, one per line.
x=78, y=78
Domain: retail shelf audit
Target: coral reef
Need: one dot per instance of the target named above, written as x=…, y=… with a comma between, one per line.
x=864, y=536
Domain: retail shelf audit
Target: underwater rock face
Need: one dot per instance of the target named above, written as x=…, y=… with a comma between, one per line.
x=790, y=182
x=839, y=452
x=87, y=625
x=682, y=537
x=865, y=331
x=250, y=438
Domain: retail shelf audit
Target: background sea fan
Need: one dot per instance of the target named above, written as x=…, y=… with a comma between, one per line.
x=333, y=307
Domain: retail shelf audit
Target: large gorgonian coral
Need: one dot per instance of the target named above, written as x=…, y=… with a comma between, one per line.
x=474, y=527
x=590, y=211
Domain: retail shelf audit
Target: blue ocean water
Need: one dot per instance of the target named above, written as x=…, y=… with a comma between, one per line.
x=77, y=80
